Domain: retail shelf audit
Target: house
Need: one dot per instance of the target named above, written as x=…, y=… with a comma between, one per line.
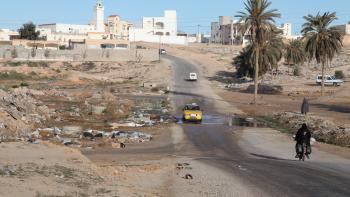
x=158, y=30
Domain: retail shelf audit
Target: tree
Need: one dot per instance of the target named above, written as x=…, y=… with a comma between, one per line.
x=28, y=31
x=271, y=52
x=322, y=42
x=295, y=52
x=258, y=22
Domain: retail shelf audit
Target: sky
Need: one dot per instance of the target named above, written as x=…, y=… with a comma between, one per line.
x=191, y=13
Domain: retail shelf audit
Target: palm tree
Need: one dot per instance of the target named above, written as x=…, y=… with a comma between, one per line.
x=295, y=52
x=322, y=42
x=257, y=22
x=271, y=52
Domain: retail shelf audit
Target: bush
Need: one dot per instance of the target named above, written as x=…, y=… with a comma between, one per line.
x=47, y=53
x=38, y=64
x=24, y=84
x=33, y=52
x=339, y=74
x=13, y=75
x=297, y=71
x=14, y=53
x=62, y=47
x=14, y=64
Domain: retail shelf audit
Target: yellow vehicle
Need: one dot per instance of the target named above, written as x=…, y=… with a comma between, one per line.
x=192, y=113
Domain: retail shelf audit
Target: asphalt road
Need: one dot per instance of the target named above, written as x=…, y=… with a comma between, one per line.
x=216, y=145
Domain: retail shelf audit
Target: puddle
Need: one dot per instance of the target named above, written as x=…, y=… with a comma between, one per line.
x=227, y=120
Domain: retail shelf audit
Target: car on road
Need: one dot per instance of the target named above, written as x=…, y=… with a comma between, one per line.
x=192, y=113
x=193, y=77
x=329, y=80
x=162, y=51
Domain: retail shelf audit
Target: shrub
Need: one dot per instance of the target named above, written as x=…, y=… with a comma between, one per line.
x=14, y=64
x=33, y=52
x=62, y=47
x=297, y=71
x=47, y=53
x=24, y=84
x=13, y=75
x=38, y=64
x=339, y=74
x=32, y=73
x=15, y=86
x=14, y=53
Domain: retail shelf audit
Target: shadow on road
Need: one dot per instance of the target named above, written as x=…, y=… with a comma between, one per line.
x=270, y=157
x=334, y=108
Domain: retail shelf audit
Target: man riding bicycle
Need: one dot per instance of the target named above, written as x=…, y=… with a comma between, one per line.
x=303, y=136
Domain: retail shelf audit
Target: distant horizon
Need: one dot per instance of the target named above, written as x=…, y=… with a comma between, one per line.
x=190, y=13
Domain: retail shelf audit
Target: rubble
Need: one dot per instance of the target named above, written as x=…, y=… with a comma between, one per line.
x=21, y=111
x=323, y=130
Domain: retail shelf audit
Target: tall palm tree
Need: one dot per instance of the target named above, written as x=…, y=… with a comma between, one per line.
x=271, y=52
x=258, y=21
x=295, y=52
x=322, y=42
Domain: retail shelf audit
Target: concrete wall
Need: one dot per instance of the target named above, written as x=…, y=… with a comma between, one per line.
x=81, y=55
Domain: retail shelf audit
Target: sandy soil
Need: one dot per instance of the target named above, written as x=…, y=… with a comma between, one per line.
x=49, y=170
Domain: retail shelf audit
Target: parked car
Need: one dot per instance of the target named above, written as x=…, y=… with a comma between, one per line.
x=192, y=113
x=162, y=51
x=329, y=80
x=193, y=77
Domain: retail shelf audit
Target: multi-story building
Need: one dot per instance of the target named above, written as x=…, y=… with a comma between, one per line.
x=226, y=31
x=166, y=25
x=159, y=30
x=117, y=29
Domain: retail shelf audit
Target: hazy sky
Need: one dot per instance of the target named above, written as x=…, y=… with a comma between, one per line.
x=13, y=13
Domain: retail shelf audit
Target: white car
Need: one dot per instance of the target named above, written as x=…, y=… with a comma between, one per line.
x=329, y=80
x=193, y=77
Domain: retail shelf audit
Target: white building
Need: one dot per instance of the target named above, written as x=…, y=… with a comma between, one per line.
x=287, y=30
x=5, y=34
x=166, y=25
x=158, y=29
x=65, y=28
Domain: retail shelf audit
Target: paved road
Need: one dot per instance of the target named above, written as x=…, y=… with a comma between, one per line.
x=215, y=144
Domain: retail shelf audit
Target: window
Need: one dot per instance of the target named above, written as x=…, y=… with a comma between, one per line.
x=159, y=25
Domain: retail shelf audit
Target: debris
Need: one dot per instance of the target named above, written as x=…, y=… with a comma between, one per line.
x=72, y=130
x=188, y=177
x=134, y=136
x=88, y=134
x=117, y=145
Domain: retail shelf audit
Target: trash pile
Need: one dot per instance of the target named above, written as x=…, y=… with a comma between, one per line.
x=147, y=112
x=88, y=138
x=323, y=130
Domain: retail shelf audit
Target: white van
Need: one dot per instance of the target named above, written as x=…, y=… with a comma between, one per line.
x=329, y=80
x=193, y=77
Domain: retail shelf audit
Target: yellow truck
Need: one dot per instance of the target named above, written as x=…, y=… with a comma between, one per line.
x=192, y=113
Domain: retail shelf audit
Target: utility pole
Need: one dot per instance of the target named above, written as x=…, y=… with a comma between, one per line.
x=160, y=40
x=198, y=31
